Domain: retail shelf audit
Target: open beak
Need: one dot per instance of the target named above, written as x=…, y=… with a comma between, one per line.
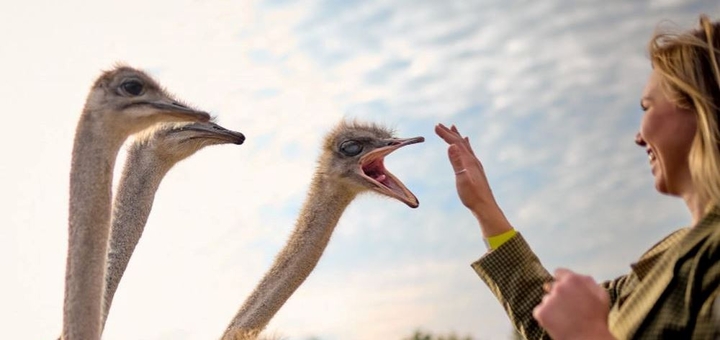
x=373, y=169
x=180, y=111
x=213, y=131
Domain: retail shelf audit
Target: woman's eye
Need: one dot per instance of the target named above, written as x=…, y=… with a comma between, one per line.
x=350, y=148
x=132, y=87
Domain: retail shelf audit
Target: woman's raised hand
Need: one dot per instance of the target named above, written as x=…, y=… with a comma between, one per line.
x=471, y=183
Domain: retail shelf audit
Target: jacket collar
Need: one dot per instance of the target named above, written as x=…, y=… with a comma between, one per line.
x=655, y=271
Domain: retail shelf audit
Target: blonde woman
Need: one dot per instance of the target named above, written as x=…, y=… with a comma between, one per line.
x=673, y=290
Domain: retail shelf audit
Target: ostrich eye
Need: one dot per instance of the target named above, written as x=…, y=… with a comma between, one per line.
x=132, y=87
x=350, y=148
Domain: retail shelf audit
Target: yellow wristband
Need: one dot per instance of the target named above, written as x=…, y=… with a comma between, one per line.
x=493, y=242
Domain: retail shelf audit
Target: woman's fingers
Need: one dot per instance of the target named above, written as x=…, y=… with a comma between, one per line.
x=467, y=145
x=562, y=272
x=447, y=135
x=575, y=307
x=547, y=286
x=465, y=140
x=452, y=136
x=454, y=154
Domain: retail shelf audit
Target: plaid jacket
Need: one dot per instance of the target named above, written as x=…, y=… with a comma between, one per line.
x=672, y=291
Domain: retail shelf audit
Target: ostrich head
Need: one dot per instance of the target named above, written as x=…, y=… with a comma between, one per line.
x=180, y=140
x=137, y=101
x=354, y=154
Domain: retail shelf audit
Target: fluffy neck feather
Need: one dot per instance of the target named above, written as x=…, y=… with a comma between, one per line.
x=133, y=202
x=320, y=214
x=93, y=160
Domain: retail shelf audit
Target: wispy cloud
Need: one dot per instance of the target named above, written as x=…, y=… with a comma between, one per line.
x=547, y=92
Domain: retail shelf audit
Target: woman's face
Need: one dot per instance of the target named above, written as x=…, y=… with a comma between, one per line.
x=666, y=132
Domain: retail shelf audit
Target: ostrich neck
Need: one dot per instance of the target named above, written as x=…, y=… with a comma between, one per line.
x=322, y=209
x=133, y=202
x=93, y=159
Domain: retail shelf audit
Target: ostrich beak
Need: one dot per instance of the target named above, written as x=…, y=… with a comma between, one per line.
x=214, y=131
x=177, y=110
x=384, y=182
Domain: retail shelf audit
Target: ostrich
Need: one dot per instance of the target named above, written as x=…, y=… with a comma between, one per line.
x=149, y=158
x=121, y=102
x=351, y=162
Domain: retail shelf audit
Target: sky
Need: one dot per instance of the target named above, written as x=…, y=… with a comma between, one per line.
x=547, y=91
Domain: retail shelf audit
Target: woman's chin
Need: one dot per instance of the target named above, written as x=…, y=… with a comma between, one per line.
x=661, y=186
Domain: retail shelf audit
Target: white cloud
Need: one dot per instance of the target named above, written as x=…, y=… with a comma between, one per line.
x=548, y=95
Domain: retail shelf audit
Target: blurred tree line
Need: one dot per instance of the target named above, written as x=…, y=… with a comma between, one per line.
x=423, y=335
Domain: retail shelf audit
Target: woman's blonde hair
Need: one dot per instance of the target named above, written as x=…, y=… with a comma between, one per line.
x=688, y=64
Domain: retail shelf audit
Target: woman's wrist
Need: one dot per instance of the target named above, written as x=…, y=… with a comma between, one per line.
x=491, y=219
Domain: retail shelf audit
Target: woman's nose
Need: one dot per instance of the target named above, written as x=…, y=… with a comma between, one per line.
x=639, y=140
